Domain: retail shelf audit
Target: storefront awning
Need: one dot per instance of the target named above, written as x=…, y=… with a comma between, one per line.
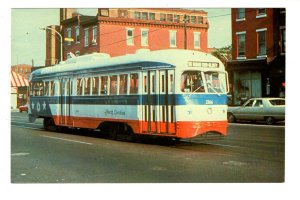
x=17, y=80
x=248, y=64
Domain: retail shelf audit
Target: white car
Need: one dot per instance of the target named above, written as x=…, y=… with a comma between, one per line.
x=269, y=110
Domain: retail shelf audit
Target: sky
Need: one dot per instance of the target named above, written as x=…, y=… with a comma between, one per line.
x=28, y=41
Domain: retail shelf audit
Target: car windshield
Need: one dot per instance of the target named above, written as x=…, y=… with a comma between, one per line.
x=206, y=82
x=277, y=102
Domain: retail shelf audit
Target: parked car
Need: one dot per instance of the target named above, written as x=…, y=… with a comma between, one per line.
x=23, y=108
x=269, y=110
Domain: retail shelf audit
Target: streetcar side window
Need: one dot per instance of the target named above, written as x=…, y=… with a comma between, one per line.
x=41, y=88
x=52, y=88
x=95, y=85
x=87, y=86
x=35, y=88
x=123, y=84
x=79, y=84
x=47, y=89
x=104, y=85
x=113, y=84
x=38, y=88
x=134, y=83
x=171, y=82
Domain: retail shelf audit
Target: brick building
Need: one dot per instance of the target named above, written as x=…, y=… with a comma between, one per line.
x=22, y=69
x=123, y=31
x=257, y=68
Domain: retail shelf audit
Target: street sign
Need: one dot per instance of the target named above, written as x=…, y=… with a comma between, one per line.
x=69, y=39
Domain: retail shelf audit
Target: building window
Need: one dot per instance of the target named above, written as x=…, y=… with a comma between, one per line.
x=122, y=13
x=144, y=16
x=77, y=53
x=162, y=17
x=86, y=37
x=176, y=18
x=69, y=35
x=137, y=15
x=193, y=19
x=130, y=36
x=240, y=14
x=170, y=17
x=282, y=39
x=197, y=40
x=152, y=16
x=200, y=20
x=241, y=36
x=187, y=18
x=261, y=12
x=77, y=34
x=144, y=37
x=261, y=42
x=172, y=38
x=95, y=33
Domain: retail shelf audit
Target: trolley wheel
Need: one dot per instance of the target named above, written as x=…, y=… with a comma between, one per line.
x=49, y=124
x=113, y=132
x=230, y=118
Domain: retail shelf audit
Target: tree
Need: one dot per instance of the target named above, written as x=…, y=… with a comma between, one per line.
x=223, y=53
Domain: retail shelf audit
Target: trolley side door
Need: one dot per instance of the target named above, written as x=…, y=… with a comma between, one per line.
x=64, y=101
x=166, y=101
x=149, y=102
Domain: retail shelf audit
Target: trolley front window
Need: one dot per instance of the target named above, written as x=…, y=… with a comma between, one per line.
x=215, y=82
x=203, y=82
x=191, y=81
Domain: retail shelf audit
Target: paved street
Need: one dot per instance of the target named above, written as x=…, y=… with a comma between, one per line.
x=250, y=153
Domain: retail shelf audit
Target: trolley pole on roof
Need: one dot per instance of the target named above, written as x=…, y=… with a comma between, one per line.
x=185, y=35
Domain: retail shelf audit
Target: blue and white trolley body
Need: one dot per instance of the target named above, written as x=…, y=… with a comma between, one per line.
x=174, y=93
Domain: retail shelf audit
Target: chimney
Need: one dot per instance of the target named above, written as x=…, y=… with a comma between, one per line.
x=67, y=13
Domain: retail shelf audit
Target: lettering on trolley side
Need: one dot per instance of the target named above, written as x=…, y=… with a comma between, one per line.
x=114, y=112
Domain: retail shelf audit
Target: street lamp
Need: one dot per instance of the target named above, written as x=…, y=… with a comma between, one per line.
x=61, y=41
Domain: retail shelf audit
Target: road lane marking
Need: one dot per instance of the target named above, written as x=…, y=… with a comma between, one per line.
x=27, y=127
x=222, y=145
x=257, y=125
x=234, y=163
x=20, y=154
x=68, y=140
x=26, y=122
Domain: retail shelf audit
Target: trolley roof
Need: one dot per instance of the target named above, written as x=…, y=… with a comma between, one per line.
x=169, y=57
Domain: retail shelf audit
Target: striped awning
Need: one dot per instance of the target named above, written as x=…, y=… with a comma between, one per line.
x=17, y=80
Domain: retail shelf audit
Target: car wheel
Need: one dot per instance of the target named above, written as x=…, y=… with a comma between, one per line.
x=270, y=120
x=230, y=118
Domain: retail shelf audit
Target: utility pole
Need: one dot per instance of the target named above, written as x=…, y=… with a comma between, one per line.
x=185, y=36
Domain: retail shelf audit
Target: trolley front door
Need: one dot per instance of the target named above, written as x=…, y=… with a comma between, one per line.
x=158, y=102
x=64, y=101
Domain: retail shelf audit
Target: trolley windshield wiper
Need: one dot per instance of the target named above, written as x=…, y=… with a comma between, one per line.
x=209, y=85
